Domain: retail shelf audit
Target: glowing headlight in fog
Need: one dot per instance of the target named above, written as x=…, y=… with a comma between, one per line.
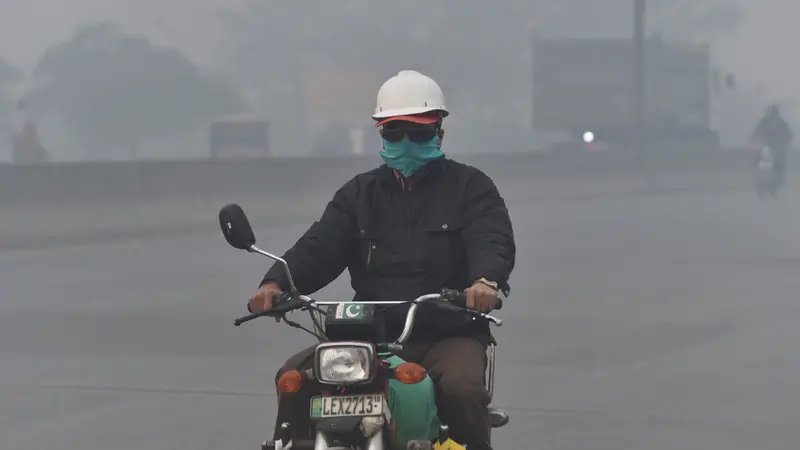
x=344, y=362
x=588, y=137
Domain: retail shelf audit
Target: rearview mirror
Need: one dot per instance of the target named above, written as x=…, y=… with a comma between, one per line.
x=235, y=227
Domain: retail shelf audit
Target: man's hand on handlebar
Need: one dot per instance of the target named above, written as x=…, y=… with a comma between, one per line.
x=265, y=297
x=481, y=298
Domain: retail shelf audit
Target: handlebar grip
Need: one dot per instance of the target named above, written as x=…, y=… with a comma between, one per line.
x=281, y=305
x=247, y=318
x=460, y=300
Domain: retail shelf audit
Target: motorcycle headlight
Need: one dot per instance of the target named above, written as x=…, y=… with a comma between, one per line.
x=344, y=362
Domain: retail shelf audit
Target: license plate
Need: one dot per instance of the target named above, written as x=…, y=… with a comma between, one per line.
x=347, y=406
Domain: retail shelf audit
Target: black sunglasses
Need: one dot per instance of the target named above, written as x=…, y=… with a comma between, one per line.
x=397, y=131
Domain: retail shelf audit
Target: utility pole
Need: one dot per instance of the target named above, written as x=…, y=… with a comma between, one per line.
x=639, y=79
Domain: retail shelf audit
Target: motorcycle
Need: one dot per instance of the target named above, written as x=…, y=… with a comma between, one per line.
x=369, y=398
x=766, y=179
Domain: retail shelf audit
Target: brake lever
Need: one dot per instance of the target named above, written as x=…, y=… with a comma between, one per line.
x=487, y=317
x=497, y=322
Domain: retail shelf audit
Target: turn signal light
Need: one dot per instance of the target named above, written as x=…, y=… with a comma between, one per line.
x=410, y=373
x=290, y=381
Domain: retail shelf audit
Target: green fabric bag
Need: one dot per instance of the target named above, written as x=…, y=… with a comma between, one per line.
x=413, y=407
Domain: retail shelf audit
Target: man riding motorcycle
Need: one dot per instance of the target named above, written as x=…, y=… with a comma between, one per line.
x=417, y=224
x=775, y=133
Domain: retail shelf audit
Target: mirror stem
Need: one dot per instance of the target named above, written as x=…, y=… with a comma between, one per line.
x=292, y=287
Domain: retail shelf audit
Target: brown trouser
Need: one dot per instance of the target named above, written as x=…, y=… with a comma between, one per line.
x=457, y=366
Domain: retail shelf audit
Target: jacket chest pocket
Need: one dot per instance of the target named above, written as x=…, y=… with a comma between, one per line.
x=370, y=249
x=445, y=242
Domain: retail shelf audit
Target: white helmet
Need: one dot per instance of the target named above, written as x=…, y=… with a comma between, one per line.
x=409, y=93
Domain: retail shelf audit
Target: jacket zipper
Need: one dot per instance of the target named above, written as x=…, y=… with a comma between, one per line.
x=407, y=218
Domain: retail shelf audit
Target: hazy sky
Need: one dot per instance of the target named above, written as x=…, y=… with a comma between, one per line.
x=27, y=28
x=762, y=53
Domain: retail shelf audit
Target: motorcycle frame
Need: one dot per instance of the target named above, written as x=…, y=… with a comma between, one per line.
x=322, y=440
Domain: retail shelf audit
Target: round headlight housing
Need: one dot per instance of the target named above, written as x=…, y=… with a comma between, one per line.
x=344, y=363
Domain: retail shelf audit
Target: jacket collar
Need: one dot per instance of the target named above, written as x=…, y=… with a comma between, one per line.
x=408, y=183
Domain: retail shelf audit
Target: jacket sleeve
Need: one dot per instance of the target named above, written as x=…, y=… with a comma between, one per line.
x=323, y=252
x=488, y=234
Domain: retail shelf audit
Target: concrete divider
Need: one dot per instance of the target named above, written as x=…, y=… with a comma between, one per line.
x=79, y=203
x=99, y=183
x=43, y=227
x=155, y=180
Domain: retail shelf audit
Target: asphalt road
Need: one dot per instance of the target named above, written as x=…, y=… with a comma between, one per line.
x=660, y=322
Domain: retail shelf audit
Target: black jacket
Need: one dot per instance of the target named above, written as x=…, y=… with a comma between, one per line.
x=450, y=229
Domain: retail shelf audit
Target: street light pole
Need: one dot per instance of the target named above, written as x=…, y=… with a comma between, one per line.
x=639, y=77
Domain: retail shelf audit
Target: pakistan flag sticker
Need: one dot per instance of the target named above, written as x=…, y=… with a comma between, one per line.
x=353, y=311
x=316, y=407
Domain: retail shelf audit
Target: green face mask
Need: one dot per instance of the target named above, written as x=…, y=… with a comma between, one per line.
x=408, y=157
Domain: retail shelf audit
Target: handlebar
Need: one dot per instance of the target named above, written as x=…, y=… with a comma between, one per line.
x=448, y=298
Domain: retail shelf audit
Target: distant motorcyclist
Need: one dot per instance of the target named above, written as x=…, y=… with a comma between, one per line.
x=26, y=147
x=775, y=133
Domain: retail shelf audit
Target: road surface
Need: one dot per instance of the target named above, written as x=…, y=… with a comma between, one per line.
x=660, y=322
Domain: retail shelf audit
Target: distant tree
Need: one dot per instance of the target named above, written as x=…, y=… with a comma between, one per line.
x=10, y=74
x=115, y=89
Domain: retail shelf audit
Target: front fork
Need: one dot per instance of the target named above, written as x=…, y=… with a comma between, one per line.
x=321, y=442
x=282, y=443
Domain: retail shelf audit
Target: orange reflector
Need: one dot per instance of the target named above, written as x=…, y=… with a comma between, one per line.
x=290, y=381
x=409, y=373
